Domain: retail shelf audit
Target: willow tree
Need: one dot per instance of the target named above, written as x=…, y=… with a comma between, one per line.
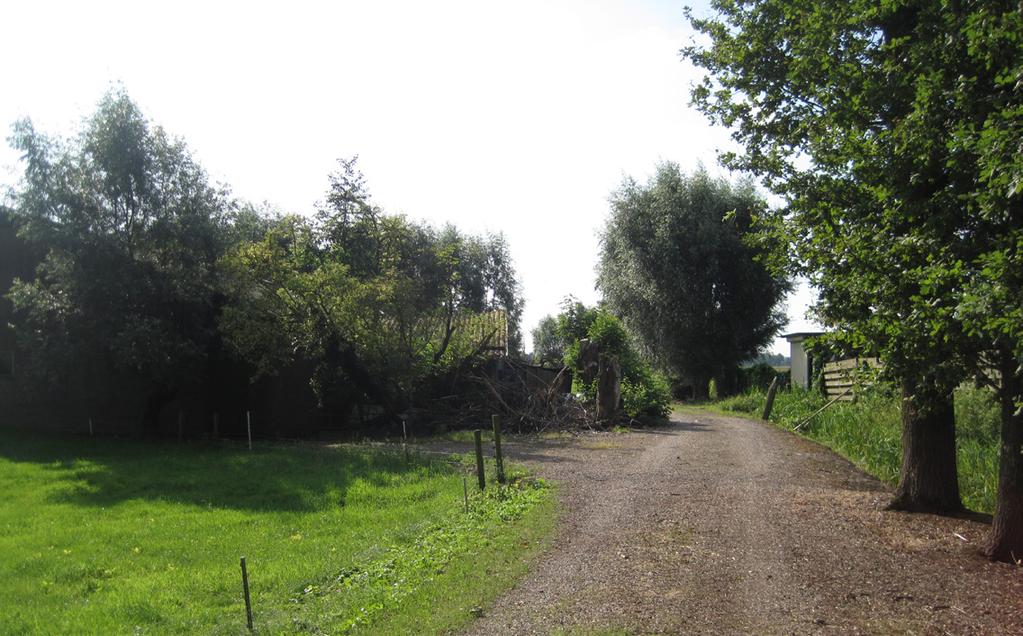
x=676, y=266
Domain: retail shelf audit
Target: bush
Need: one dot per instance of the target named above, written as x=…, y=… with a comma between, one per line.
x=650, y=397
x=645, y=393
x=751, y=402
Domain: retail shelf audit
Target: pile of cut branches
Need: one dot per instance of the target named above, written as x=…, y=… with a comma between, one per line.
x=523, y=395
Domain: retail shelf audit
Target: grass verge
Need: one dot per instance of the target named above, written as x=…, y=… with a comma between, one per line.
x=868, y=432
x=113, y=537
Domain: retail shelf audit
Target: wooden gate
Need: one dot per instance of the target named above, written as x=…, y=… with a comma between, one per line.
x=844, y=378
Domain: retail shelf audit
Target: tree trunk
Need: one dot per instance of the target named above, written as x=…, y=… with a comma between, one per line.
x=1006, y=543
x=928, y=479
x=588, y=361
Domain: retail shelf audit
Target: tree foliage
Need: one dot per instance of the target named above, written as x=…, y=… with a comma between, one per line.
x=148, y=269
x=675, y=265
x=376, y=303
x=131, y=230
x=548, y=346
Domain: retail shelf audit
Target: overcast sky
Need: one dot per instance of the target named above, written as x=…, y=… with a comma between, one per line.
x=504, y=117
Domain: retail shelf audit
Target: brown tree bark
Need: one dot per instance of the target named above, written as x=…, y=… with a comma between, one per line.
x=1006, y=542
x=928, y=480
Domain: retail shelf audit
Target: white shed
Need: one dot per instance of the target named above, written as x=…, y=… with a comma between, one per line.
x=802, y=364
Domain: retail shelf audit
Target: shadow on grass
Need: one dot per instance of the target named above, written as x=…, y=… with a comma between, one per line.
x=296, y=478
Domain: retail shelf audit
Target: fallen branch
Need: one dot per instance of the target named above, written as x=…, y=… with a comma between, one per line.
x=821, y=410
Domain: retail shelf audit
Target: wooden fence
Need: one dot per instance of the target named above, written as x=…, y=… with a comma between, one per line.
x=844, y=378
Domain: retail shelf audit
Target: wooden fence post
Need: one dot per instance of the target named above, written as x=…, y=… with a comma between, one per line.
x=248, y=603
x=496, y=421
x=770, y=398
x=478, y=438
x=404, y=441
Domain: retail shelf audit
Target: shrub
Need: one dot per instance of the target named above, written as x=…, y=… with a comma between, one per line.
x=645, y=393
x=650, y=397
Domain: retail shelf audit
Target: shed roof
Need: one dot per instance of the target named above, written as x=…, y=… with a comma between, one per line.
x=800, y=336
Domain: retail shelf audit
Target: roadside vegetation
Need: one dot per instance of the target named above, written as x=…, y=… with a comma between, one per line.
x=645, y=392
x=144, y=272
x=869, y=433
x=108, y=536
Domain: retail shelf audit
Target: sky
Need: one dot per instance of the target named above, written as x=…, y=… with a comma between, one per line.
x=518, y=118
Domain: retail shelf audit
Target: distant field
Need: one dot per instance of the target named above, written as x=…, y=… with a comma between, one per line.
x=117, y=537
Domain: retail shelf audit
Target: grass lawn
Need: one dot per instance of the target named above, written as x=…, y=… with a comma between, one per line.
x=109, y=536
x=869, y=433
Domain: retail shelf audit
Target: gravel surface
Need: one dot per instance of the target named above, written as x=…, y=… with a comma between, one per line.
x=721, y=525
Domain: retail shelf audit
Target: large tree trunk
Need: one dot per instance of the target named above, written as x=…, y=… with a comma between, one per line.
x=588, y=361
x=928, y=480
x=1006, y=543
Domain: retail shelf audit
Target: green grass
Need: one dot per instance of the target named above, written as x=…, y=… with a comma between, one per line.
x=117, y=537
x=868, y=432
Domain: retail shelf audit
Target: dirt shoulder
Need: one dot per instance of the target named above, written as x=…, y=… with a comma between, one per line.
x=718, y=525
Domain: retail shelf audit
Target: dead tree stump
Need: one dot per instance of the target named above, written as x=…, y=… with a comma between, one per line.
x=588, y=362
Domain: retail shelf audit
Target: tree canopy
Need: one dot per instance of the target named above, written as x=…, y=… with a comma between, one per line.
x=132, y=230
x=676, y=267
x=548, y=347
x=376, y=302
x=149, y=270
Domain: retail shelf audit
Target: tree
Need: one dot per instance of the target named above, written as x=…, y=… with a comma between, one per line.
x=376, y=303
x=891, y=130
x=675, y=266
x=548, y=347
x=990, y=127
x=132, y=230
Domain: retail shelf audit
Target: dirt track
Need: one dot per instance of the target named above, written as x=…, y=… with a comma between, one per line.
x=721, y=525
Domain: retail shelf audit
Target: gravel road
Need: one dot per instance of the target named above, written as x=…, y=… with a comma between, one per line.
x=720, y=525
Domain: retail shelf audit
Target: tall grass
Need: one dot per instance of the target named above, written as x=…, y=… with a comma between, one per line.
x=868, y=432
x=116, y=537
